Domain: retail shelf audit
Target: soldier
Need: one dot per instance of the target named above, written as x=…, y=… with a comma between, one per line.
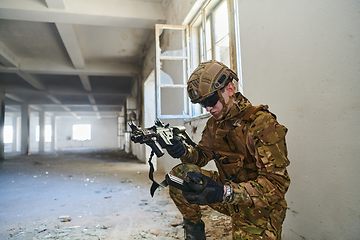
x=248, y=146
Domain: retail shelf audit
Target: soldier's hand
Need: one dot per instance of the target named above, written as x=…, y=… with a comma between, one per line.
x=205, y=189
x=176, y=150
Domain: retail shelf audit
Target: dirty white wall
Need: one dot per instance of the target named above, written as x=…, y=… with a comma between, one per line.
x=302, y=58
x=149, y=112
x=101, y=137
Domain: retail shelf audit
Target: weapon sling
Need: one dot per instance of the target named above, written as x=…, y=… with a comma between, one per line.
x=154, y=184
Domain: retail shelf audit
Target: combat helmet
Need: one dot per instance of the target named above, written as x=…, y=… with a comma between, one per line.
x=207, y=78
x=205, y=84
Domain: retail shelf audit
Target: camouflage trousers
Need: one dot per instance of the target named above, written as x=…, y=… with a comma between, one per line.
x=247, y=223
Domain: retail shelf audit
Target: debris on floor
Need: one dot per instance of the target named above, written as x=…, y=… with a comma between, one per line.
x=90, y=196
x=65, y=218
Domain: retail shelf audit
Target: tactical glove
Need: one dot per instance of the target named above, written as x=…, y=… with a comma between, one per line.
x=205, y=190
x=176, y=150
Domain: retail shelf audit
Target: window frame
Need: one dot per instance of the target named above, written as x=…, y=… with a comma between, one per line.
x=158, y=85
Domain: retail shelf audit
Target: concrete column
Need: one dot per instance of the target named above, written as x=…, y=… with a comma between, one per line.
x=41, y=132
x=2, y=124
x=53, y=133
x=25, y=129
x=18, y=133
x=15, y=127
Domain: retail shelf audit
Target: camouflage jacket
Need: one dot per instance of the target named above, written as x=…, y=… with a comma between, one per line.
x=250, y=154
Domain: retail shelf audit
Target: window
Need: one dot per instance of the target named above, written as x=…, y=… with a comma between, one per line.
x=171, y=72
x=47, y=133
x=8, y=134
x=213, y=34
x=221, y=34
x=82, y=132
x=211, y=29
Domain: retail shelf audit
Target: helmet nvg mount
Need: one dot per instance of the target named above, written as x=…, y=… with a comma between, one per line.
x=207, y=78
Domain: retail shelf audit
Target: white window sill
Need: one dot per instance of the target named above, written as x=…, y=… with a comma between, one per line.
x=202, y=116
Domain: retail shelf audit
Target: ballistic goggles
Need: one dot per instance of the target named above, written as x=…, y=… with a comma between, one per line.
x=211, y=100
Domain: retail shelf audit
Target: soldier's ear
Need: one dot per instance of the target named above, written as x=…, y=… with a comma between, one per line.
x=230, y=88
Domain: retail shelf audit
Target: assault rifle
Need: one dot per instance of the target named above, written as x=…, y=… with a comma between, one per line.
x=159, y=136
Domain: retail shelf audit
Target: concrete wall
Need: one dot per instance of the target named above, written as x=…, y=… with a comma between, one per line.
x=302, y=58
x=103, y=133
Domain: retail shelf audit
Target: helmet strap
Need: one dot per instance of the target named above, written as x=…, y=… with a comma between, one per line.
x=225, y=105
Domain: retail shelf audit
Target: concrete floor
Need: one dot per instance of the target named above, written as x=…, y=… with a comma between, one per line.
x=101, y=194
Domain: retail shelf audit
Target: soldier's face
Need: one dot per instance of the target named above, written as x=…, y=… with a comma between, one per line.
x=216, y=109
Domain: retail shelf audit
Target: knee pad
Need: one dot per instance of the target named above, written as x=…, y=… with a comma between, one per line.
x=177, y=176
x=181, y=170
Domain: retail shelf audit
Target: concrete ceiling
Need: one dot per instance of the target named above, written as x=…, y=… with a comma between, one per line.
x=74, y=57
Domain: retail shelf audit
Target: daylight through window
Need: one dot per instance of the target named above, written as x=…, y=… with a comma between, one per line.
x=8, y=134
x=47, y=133
x=81, y=132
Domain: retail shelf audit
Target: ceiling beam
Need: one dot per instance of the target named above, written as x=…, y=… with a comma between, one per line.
x=71, y=43
x=33, y=81
x=95, y=12
x=62, y=93
x=91, y=99
x=80, y=105
x=7, y=57
x=85, y=82
x=67, y=109
x=35, y=107
x=11, y=108
x=57, y=4
x=53, y=98
x=14, y=97
x=94, y=69
x=86, y=112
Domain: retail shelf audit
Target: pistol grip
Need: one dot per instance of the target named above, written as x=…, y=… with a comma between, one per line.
x=156, y=148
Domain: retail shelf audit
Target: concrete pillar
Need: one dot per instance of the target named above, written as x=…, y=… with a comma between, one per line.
x=53, y=133
x=15, y=128
x=2, y=124
x=25, y=129
x=41, y=132
x=18, y=133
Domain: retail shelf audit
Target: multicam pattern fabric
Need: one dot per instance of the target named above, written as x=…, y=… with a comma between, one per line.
x=251, y=157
